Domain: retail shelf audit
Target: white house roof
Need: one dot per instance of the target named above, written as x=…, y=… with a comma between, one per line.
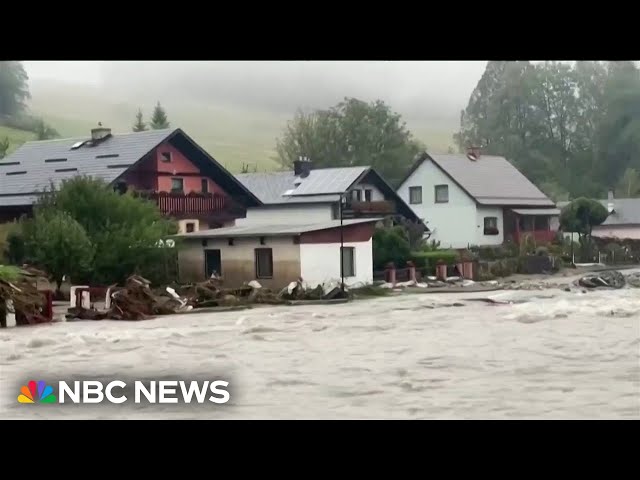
x=537, y=211
x=273, y=230
x=490, y=180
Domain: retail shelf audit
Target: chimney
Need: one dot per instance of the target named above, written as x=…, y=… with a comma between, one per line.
x=302, y=167
x=473, y=153
x=100, y=133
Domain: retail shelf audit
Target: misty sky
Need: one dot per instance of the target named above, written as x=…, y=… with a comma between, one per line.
x=424, y=89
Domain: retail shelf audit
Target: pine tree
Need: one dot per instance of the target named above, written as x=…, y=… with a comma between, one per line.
x=140, y=125
x=159, y=118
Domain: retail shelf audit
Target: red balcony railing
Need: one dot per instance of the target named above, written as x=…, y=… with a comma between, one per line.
x=379, y=207
x=192, y=203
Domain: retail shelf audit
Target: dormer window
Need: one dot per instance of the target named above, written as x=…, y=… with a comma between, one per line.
x=165, y=157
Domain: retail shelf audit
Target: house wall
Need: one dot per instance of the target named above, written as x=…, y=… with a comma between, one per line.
x=376, y=195
x=481, y=238
x=287, y=214
x=320, y=262
x=454, y=224
x=238, y=260
x=180, y=167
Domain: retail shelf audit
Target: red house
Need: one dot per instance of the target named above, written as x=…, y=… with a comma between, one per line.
x=166, y=166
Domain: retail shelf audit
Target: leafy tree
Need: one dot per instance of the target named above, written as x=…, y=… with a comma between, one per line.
x=390, y=244
x=351, y=133
x=44, y=131
x=59, y=245
x=14, y=88
x=4, y=147
x=125, y=230
x=159, y=118
x=581, y=215
x=140, y=125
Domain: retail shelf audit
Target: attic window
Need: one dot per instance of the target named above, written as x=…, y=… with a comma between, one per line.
x=110, y=155
x=52, y=160
x=165, y=157
x=66, y=170
x=17, y=173
x=77, y=145
x=119, y=165
x=6, y=164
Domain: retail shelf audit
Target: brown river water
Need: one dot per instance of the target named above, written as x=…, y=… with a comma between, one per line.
x=549, y=354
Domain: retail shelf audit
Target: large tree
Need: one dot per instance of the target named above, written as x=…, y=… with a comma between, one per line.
x=159, y=118
x=59, y=245
x=44, y=131
x=573, y=129
x=125, y=230
x=351, y=133
x=14, y=88
x=4, y=147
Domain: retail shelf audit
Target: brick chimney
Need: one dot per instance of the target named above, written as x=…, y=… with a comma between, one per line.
x=473, y=153
x=100, y=133
x=302, y=167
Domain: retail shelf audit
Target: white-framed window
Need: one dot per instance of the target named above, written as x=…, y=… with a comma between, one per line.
x=442, y=193
x=165, y=157
x=415, y=195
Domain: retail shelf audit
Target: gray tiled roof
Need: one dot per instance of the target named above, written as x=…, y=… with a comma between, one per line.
x=258, y=230
x=492, y=180
x=123, y=150
x=626, y=211
x=322, y=185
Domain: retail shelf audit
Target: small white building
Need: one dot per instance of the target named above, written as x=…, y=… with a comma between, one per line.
x=306, y=195
x=475, y=199
x=277, y=254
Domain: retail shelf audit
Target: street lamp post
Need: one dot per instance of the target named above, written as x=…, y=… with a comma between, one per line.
x=342, y=202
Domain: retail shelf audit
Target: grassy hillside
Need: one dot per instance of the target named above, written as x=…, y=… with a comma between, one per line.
x=234, y=136
x=16, y=137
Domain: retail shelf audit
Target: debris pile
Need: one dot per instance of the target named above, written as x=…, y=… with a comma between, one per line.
x=19, y=294
x=606, y=279
x=136, y=301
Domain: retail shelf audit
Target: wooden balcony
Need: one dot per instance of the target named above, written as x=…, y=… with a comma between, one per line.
x=358, y=209
x=194, y=204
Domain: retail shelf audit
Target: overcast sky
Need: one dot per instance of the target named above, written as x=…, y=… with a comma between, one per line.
x=425, y=88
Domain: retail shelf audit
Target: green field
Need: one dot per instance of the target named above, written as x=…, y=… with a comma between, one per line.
x=234, y=136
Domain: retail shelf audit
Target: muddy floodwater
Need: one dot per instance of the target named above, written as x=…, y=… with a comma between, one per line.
x=547, y=354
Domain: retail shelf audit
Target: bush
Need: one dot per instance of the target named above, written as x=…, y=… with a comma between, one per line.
x=390, y=245
x=542, y=251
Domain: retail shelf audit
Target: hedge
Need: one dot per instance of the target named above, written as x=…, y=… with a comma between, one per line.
x=430, y=259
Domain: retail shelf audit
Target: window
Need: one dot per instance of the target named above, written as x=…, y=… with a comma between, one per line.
x=191, y=227
x=367, y=195
x=442, y=193
x=491, y=226
x=264, y=263
x=205, y=185
x=177, y=184
x=165, y=157
x=415, y=195
x=356, y=195
x=348, y=261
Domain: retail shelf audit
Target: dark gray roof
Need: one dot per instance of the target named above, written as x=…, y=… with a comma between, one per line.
x=321, y=185
x=491, y=180
x=626, y=211
x=273, y=230
x=34, y=158
x=35, y=165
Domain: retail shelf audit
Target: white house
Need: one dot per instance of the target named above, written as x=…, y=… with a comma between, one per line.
x=475, y=199
x=276, y=254
x=306, y=195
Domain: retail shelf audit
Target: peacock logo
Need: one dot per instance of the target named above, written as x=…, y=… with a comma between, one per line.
x=38, y=392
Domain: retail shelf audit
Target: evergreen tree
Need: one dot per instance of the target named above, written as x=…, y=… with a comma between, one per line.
x=140, y=125
x=159, y=118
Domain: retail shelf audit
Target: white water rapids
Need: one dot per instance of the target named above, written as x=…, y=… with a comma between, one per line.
x=555, y=355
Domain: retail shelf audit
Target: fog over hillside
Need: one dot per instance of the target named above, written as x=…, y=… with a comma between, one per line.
x=426, y=90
